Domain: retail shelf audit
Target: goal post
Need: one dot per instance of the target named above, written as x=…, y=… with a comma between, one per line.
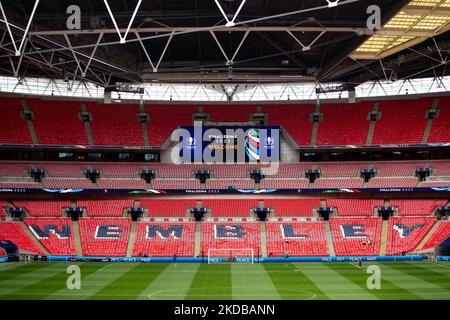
x=230, y=256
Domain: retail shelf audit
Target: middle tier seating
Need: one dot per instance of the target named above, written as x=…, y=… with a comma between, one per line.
x=230, y=207
x=356, y=236
x=416, y=207
x=104, y=236
x=405, y=233
x=44, y=208
x=296, y=239
x=55, y=234
x=292, y=207
x=155, y=239
x=105, y=208
x=167, y=207
x=231, y=235
x=355, y=207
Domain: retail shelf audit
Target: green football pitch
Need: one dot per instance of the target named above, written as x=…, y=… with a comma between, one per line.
x=338, y=281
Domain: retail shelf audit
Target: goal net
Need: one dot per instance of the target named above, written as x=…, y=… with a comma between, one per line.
x=230, y=256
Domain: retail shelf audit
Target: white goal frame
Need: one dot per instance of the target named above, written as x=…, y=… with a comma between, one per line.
x=231, y=256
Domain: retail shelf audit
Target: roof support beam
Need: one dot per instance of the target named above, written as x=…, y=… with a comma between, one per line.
x=154, y=67
x=230, y=23
x=122, y=38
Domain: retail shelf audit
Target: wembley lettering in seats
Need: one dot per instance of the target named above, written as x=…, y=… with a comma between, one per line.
x=287, y=231
x=174, y=231
x=235, y=231
x=405, y=231
x=50, y=229
x=354, y=231
x=108, y=232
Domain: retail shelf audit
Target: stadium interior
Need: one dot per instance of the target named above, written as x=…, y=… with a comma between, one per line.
x=358, y=122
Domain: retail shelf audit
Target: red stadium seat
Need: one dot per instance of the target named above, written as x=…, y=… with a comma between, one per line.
x=13, y=231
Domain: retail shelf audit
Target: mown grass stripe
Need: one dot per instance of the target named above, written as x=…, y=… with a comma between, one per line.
x=172, y=283
x=252, y=282
x=416, y=286
x=292, y=284
x=437, y=278
x=335, y=285
x=94, y=282
x=131, y=284
x=211, y=282
x=388, y=289
x=16, y=279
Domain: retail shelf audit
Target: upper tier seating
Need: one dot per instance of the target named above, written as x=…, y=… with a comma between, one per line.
x=55, y=234
x=105, y=208
x=13, y=128
x=356, y=236
x=338, y=118
x=115, y=124
x=104, y=236
x=167, y=207
x=355, y=207
x=165, y=118
x=402, y=121
x=164, y=239
x=440, y=130
x=231, y=235
x=392, y=182
x=296, y=239
x=416, y=207
x=230, y=207
x=292, y=207
x=440, y=234
x=232, y=113
x=289, y=117
x=338, y=183
x=405, y=233
x=57, y=122
x=13, y=231
x=43, y=208
x=235, y=183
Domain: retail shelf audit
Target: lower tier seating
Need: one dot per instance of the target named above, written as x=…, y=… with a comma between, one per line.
x=55, y=234
x=356, y=236
x=43, y=208
x=405, y=233
x=440, y=235
x=355, y=207
x=14, y=231
x=230, y=235
x=105, y=208
x=104, y=236
x=296, y=239
x=164, y=239
x=293, y=207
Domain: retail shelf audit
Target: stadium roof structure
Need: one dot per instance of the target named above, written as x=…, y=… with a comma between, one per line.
x=224, y=41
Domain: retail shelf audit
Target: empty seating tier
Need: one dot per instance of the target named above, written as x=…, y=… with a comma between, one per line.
x=441, y=234
x=230, y=235
x=355, y=207
x=164, y=239
x=55, y=234
x=43, y=208
x=356, y=236
x=292, y=207
x=405, y=233
x=105, y=208
x=14, y=129
x=14, y=232
x=296, y=239
x=416, y=207
x=104, y=236
x=230, y=207
x=440, y=130
x=167, y=207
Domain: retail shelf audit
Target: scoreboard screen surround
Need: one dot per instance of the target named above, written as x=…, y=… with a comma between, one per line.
x=220, y=144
